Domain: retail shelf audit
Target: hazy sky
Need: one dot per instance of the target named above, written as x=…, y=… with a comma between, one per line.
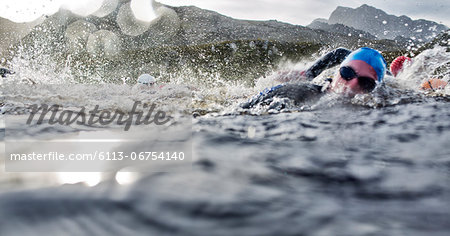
x=292, y=11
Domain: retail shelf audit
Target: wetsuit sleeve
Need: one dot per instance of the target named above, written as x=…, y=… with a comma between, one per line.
x=297, y=92
x=264, y=95
x=329, y=60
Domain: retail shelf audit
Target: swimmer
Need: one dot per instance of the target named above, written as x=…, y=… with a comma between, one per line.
x=359, y=72
x=401, y=62
x=398, y=64
x=149, y=82
x=146, y=79
x=4, y=72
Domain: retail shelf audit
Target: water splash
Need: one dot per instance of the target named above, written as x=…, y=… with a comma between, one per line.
x=431, y=63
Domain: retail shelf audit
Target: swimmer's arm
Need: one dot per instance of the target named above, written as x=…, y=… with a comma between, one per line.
x=297, y=92
x=329, y=60
x=262, y=96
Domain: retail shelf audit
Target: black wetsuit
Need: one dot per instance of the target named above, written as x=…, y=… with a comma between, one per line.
x=300, y=92
x=4, y=72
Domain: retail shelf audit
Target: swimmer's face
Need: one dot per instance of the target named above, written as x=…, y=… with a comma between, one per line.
x=355, y=77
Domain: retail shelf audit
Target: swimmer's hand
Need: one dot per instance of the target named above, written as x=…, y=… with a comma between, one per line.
x=433, y=84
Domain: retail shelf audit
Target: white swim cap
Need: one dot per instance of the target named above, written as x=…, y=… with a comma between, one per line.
x=146, y=79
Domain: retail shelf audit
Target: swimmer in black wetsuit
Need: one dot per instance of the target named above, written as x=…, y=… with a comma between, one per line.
x=4, y=72
x=360, y=71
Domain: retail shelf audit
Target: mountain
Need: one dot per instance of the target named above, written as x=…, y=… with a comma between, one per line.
x=442, y=40
x=187, y=25
x=384, y=26
x=340, y=29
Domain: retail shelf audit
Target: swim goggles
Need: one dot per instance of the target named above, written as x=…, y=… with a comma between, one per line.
x=367, y=84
